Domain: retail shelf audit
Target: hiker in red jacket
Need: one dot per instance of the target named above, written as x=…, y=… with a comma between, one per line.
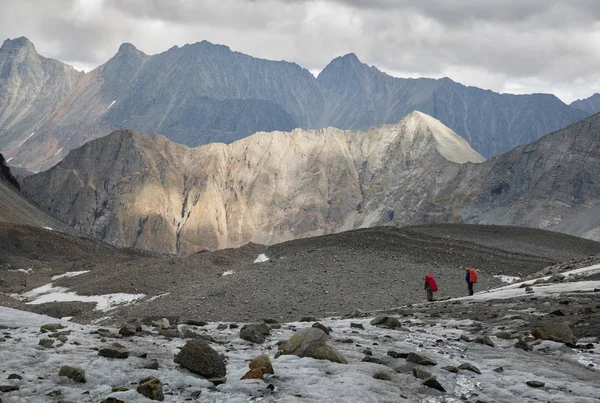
x=471, y=278
x=430, y=286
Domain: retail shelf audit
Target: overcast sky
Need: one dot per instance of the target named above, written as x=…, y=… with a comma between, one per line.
x=518, y=46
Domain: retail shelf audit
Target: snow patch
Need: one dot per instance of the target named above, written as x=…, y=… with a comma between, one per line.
x=28, y=137
x=56, y=153
x=507, y=279
x=157, y=296
x=26, y=271
x=49, y=293
x=228, y=272
x=111, y=104
x=8, y=160
x=48, y=228
x=70, y=274
x=261, y=258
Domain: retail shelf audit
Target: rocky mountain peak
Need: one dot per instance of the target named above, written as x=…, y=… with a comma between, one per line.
x=127, y=47
x=18, y=44
x=448, y=144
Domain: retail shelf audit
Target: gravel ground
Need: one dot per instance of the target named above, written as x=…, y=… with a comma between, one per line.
x=370, y=269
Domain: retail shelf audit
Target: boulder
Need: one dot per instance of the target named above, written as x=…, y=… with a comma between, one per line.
x=559, y=331
x=535, y=384
x=386, y=321
x=46, y=343
x=396, y=354
x=151, y=364
x=254, y=373
x=523, y=345
x=485, y=340
x=421, y=374
x=321, y=326
x=172, y=333
x=76, y=374
x=112, y=400
x=127, y=330
x=311, y=342
x=8, y=388
x=51, y=327
x=469, y=367
x=451, y=368
x=151, y=388
x=255, y=332
x=434, y=384
x=201, y=359
x=420, y=359
x=115, y=350
x=263, y=362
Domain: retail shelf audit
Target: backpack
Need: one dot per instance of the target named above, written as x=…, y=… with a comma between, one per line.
x=472, y=275
x=431, y=282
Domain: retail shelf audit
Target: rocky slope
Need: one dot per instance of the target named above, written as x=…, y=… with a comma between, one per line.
x=132, y=189
x=202, y=93
x=589, y=105
x=552, y=183
x=16, y=208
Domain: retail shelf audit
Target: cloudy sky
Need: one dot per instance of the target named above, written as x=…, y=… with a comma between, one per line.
x=518, y=46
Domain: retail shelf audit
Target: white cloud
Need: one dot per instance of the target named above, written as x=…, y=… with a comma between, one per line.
x=503, y=45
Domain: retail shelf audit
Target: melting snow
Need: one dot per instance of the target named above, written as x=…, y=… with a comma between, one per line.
x=228, y=272
x=261, y=258
x=23, y=142
x=70, y=274
x=50, y=293
x=26, y=271
x=507, y=279
x=8, y=160
x=48, y=228
x=111, y=104
x=56, y=153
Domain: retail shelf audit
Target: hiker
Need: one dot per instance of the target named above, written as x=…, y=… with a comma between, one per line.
x=471, y=278
x=430, y=286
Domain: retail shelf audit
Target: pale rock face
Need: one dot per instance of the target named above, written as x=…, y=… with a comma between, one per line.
x=144, y=191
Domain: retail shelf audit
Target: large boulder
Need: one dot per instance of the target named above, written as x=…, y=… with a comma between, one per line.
x=255, y=332
x=559, y=332
x=115, y=350
x=202, y=359
x=311, y=342
x=386, y=321
x=76, y=374
x=420, y=359
x=151, y=388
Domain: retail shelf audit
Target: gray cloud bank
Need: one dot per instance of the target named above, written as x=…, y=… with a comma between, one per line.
x=517, y=46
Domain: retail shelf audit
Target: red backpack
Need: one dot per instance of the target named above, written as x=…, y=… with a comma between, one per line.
x=472, y=275
x=431, y=282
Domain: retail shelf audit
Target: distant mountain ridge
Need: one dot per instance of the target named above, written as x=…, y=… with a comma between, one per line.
x=133, y=189
x=590, y=105
x=202, y=93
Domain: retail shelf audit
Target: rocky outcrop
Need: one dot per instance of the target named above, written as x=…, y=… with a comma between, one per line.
x=202, y=93
x=132, y=189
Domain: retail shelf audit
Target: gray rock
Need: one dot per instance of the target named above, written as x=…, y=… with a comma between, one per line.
x=559, y=332
x=485, y=340
x=311, y=342
x=51, y=327
x=255, y=332
x=469, y=367
x=114, y=350
x=74, y=373
x=421, y=359
x=151, y=364
x=46, y=343
x=434, y=384
x=450, y=368
x=8, y=388
x=172, y=333
x=386, y=321
x=127, y=330
x=321, y=326
x=200, y=358
x=535, y=384
x=523, y=345
x=395, y=354
x=151, y=388
x=421, y=374
x=15, y=376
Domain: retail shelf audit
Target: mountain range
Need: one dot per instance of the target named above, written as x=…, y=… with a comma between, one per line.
x=203, y=93
x=134, y=189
